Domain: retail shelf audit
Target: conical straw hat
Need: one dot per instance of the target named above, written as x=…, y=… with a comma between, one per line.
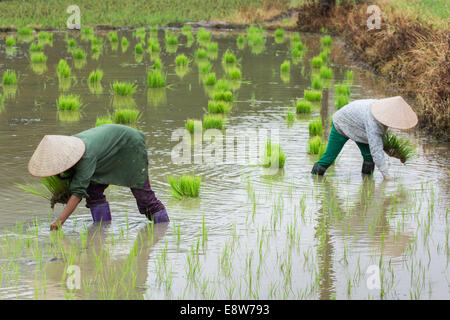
x=394, y=112
x=55, y=154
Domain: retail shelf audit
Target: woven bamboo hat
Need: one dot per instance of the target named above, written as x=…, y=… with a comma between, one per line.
x=55, y=154
x=394, y=112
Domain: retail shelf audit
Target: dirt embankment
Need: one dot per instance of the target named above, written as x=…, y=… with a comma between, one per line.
x=413, y=55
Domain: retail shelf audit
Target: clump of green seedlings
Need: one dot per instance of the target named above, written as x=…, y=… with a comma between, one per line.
x=124, y=88
x=53, y=188
x=312, y=95
x=10, y=41
x=126, y=116
x=326, y=72
x=218, y=106
x=140, y=33
x=124, y=44
x=223, y=96
x=72, y=43
x=303, y=106
x=340, y=101
x=326, y=41
x=25, y=31
x=213, y=47
x=397, y=147
x=255, y=36
x=315, y=127
x=349, y=75
x=285, y=66
x=138, y=49
x=9, y=77
x=35, y=46
x=204, y=67
x=210, y=79
x=186, y=186
x=234, y=73
x=316, y=83
x=63, y=69
x=113, y=37
x=153, y=45
x=95, y=76
x=186, y=29
x=203, y=36
x=290, y=116
x=229, y=57
x=171, y=38
x=273, y=156
x=79, y=54
x=157, y=64
x=156, y=79
x=193, y=125
x=38, y=57
x=103, y=120
x=342, y=89
x=279, y=33
x=69, y=102
x=316, y=145
x=181, y=60
x=240, y=40
x=201, y=54
x=222, y=85
x=316, y=62
x=213, y=121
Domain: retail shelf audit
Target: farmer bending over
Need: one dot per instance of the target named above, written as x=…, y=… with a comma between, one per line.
x=92, y=160
x=365, y=122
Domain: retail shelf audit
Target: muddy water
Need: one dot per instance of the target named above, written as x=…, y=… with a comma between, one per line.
x=250, y=234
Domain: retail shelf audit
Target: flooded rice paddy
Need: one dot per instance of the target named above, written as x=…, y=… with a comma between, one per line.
x=250, y=234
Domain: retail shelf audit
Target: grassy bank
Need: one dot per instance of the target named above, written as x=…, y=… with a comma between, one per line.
x=410, y=49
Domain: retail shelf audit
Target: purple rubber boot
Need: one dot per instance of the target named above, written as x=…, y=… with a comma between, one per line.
x=160, y=216
x=101, y=212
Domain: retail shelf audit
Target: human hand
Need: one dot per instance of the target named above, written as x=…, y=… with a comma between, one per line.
x=55, y=225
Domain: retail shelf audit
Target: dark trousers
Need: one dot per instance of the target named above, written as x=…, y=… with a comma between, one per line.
x=145, y=198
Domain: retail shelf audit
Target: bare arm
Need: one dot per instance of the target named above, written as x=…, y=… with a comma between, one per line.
x=67, y=211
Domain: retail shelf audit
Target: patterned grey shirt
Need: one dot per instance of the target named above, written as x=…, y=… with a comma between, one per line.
x=355, y=121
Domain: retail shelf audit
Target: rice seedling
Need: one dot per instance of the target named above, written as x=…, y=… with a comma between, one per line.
x=157, y=64
x=317, y=83
x=171, y=39
x=153, y=45
x=299, y=46
x=38, y=57
x=303, y=106
x=315, y=127
x=218, y=106
x=10, y=41
x=222, y=85
x=53, y=188
x=326, y=72
x=349, y=75
x=297, y=53
x=186, y=28
x=273, y=156
x=124, y=44
x=234, y=73
x=342, y=89
x=315, y=144
x=35, y=46
x=156, y=79
x=45, y=36
x=229, y=57
x=312, y=95
x=124, y=88
x=95, y=76
x=203, y=35
x=72, y=43
x=213, y=121
x=69, y=102
x=240, y=39
x=201, y=54
x=185, y=186
x=103, y=120
x=181, y=60
x=279, y=33
x=285, y=66
x=212, y=47
x=341, y=100
x=398, y=147
x=126, y=116
x=326, y=41
x=204, y=67
x=193, y=125
x=9, y=77
x=63, y=69
x=223, y=96
x=290, y=117
x=138, y=49
x=324, y=55
x=210, y=79
x=25, y=31
x=140, y=33
x=316, y=62
x=79, y=54
x=113, y=37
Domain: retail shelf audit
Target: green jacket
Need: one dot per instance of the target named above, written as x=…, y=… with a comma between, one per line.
x=115, y=154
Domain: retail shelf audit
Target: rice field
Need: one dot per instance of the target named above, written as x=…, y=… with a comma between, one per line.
x=238, y=229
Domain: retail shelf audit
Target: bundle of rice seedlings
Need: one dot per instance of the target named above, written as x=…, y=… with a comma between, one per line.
x=315, y=127
x=290, y=116
x=95, y=76
x=10, y=41
x=153, y=45
x=342, y=89
x=124, y=44
x=181, y=60
x=299, y=46
x=229, y=57
x=213, y=121
x=326, y=72
x=156, y=79
x=349, y=75
x=140, y=33
x=157, y=64
x=205, y=67
x=79, y=54
x=138, y=49
x=222, y=85
x=285, y=66
x=341, y=100
x=234, y=73
x=303, y=106
x=213, y=47
x=223, y=96
x=312, y=95
x=38, y=57
x=171, y=39
x=317, y=83
x=87, y=31
x=210, y=79
x=273, y=155
x=218, y=106
x=35, y=46
x=25, y=31
x=124, y=88
x=185, y=186
x=240, y=39
x=45, y=36
x=203, y=35
x=397, y=147
x=279, y=33
x=126, y=116
x=315, y=145
x=324, y=55
x=63, y=69
x=186, y=28
x=113, y=37
x=201, y=53
x=69, y=102
x=72, y=43
x=326, y=41
x=54, y=189
x=9, y=77
x=103, y=120
x=316, y=62
x=193, y=125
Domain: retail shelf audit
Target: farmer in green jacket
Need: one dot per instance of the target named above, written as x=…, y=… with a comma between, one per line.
x=93, y=159
x=365, y=122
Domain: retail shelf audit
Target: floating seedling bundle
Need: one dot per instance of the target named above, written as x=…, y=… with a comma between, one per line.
x=53, y=188
x=398, y=147
x=185, y=186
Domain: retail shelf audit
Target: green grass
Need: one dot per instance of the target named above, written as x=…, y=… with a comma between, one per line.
x=229, y=57
x=210, y=79
x=303, y=106
x=181, y=60
x=218, y=106
x=63, y=69
x=285, y=66
x=193, y=124
x=315, y=127
x=326, y=72
x=79, y=54
x=156, y=79
x=315, y=145
x=312, y=95
x=397, y=147
x=35, y=46
x=10, y=41
x=9, y=77
x=126, y=116
x=340, y=101
x=223, y=96
x=124, y=88
x=69, y=102
x=316, y=62
x=213, y=121
x=273, y=156
x=185, y=186
x=38, y=57
x=103, y=120
x=25, y=31
x=95, y=76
